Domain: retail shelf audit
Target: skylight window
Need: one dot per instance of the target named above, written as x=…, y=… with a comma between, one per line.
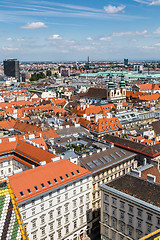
x=73, y=173
x=61, y=178
x=55, y=180
x=49, y=182
x=29, y=190
x=22, y=194
x=67, y=175
x=42, y=184
x=78, y=171
x=36, y=188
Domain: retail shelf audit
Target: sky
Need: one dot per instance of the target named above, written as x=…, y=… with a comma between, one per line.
x=71, y=30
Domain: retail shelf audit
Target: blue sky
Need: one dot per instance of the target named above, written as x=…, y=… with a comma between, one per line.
x=72, y=30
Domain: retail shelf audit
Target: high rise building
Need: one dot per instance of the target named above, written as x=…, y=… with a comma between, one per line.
x=126, y=62
x=11, y=68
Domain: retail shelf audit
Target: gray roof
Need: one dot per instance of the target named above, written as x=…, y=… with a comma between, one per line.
x=69, y=154
x=72, y=130
x=103, y=159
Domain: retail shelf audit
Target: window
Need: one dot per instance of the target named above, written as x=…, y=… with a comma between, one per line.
x=61, y=178
x=130, y=209
x=49, y=183
x=87, y=196
x=122, y=205
x=72, y=173
x=42, y=219
x=33, y=202
x=50, y=203
x=74, y=203
x=75, y=224
x=81, y=220
x=130, y=232
x=29, y=190
x=87, y=206
x=34, y=234
x=114, y=223
x=34, y=223
x=130, y=219
x=81, y=210
x=24, y=215
x=106, y=207
x=23, y=206
x=59, y=222
x=33, y=211
x=158, y=221
x=36, y=188
x=106, y=231
x=66, y=207
x=22, y=194
x=113, y=235
x=42, y=207
x=122, y=216
x=67, y=175
x=58, y=199
x=51, y=226
x=106, y=219
x=42, y=184
x=106, y=197
x=51, y=215
x=139, y=224
x=51, y=236
x=113, y=211
x=58, y=211
x=148, y=228
x=114, y=201
x=55, y=180
x=66, y=196
x=78, y=171
x=81, y=199
x=43, y=231
x=149, y=217
x=59, y=233
x=81, y=189
x=74, y=213
x=66, y=218
x=74, y=192
x=122, y=227
x=140, y=213
x=67, y=229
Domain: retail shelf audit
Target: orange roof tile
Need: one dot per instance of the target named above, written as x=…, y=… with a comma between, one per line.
x=35, y=177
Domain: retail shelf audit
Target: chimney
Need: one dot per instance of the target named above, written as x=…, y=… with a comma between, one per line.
x=43, y=163
x=145, y=161
x=33, y=166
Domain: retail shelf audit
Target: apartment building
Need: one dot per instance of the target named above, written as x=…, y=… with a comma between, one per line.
x=55, y=200
x=105, y=164
x=130, y=208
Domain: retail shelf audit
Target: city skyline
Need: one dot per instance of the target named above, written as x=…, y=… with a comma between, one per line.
x=72, y=30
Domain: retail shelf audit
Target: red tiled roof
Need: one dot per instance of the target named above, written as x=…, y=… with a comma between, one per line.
x=35, y=177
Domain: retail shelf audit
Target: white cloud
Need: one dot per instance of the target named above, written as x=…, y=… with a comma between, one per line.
x=148, y=47
x=89, y=39
x=34, y=25
x=121, y=34
x=9, y=49
x=114, y=9
x=157, y=2
x=157, y=31
x=157, y=44
x=105, y=39
x=55, y=37
x=9, y=39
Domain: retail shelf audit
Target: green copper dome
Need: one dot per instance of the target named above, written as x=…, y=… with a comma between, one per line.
x=110, y=83
x=122, y=83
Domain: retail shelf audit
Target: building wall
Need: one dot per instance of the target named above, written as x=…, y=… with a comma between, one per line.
x=124, y=219
x=62, y=213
